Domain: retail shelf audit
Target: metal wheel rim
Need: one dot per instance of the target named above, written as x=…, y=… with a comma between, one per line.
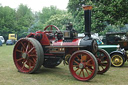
x=119, y=61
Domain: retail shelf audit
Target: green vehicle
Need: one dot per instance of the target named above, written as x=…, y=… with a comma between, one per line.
x=118, y=55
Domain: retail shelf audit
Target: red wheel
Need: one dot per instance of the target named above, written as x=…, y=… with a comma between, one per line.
x=28, y=55
x=104, y=61
x=83, y=65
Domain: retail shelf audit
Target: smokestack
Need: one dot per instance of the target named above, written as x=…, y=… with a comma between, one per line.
x=87, y=22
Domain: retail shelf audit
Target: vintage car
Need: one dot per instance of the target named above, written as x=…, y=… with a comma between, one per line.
x=9, y=42
x=118, y=55
x=2, y=39
x=115, y=38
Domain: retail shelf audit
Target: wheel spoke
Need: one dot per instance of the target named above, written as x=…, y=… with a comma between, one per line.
x=90, y=69
x=75, y=65
x=27, y=47
x=80, y=72
x=89, y=64
x=23, y=65
x=20, y=59
x=32, y=61
x=76, y=69
x=78, y=58
x=88, y=61
x=87, y=71
x=102, y=57
x=23, y=45
x=30, y=50
x=32, y=55
x=83, y=72
x=18, y=50
x=101, y=66
x=76, y=62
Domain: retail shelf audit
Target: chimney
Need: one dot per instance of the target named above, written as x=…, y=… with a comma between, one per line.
x=87, y=17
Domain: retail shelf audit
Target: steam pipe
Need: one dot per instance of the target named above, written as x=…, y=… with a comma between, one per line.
x=87, y=18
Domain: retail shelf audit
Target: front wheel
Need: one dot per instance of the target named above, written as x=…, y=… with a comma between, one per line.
x=117, y=60
x=83, y=65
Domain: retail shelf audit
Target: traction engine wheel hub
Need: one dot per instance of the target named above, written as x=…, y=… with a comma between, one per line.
x=81, y=66
x=24, y=55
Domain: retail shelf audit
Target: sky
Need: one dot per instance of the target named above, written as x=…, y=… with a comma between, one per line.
x=35, y=5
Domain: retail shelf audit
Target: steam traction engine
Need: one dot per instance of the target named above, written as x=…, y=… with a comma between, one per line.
x=49, y=48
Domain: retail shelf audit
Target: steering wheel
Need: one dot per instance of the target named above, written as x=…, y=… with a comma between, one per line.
x=51, y=28
x=50, y=32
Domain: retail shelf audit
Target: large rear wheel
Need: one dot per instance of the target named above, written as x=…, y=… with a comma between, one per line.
x=28, y=55
x=83, y=65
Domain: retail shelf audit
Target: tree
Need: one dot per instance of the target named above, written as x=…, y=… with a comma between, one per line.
x=52, y=16
x=47, y=12
x=59, y=20
x=104, y=12
x=24, y=19
x=7, y=21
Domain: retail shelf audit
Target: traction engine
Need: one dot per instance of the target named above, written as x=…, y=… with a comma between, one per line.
x=49, y=48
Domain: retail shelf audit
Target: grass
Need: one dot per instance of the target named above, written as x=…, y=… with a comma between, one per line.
x=56, y=76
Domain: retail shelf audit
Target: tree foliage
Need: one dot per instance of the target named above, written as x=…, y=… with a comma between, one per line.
x=60, y=20
x=15, y=21
x=47, y=12
x=24, y=19
x=7, y=20
x=53, y=16
x=104, y=12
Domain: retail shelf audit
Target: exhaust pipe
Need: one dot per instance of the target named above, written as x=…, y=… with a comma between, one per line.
x=89, y=43
x=87, y=18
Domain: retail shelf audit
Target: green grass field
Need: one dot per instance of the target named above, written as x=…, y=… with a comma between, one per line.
x=57, y=76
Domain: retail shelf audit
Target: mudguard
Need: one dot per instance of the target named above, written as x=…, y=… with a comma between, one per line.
x=119, y=52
